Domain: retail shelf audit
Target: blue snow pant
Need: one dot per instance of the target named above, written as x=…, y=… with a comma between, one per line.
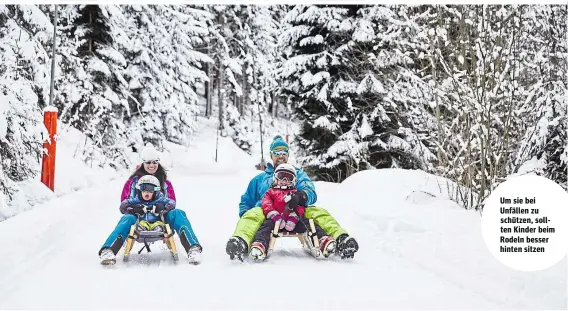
x=176, y=218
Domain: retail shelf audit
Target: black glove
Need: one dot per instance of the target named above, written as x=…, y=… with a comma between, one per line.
x=299, y=198
x=135, y=209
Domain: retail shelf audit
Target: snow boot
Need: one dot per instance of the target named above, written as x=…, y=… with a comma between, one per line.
x=236, y=247
x=107, y=257
x=257, y=251
x=327, y=245
x=346, y=246
x=194, y=254
x=193, y=251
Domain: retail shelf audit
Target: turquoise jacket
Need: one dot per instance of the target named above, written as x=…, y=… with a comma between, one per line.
x=262, y=182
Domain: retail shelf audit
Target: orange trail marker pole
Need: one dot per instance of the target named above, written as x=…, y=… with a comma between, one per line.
x=50, y=122
x=49, y=146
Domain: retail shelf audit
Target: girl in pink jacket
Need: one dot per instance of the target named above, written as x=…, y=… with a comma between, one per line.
x=274, y=207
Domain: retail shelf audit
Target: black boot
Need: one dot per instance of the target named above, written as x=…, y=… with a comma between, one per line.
x=237, y=247
x=347, y=246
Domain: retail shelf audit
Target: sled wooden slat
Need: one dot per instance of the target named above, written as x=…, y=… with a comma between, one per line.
x=309, y=239
x=288, y=235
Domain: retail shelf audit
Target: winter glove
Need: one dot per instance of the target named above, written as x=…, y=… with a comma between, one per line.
x=170, y=206
x=124, y=207
x=298, y=198
x=135, y=210
x=292, y=221
x=275, y=216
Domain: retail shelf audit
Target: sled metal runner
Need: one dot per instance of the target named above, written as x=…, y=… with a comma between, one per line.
x=140, y=235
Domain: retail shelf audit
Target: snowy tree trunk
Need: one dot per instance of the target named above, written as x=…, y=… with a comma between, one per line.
x=245, y=89
x=274, y=104
x=221, y=77
x=52, y=81
x=208, y=86
x=442, y=159
x=90, y=38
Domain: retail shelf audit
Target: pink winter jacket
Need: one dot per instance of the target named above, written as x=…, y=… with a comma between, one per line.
x=129, y=189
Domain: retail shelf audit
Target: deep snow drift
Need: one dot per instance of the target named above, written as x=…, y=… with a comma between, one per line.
x=72, y=173
x=417, y=251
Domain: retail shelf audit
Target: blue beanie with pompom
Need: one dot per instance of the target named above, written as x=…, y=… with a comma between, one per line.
x=278, y=143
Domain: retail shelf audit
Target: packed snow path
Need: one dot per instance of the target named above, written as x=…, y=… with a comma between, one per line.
x=422, y=254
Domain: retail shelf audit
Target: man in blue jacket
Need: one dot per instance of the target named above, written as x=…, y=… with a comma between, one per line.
x=252, y=217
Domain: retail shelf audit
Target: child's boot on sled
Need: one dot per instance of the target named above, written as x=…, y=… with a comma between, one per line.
x=257, y=251
x=328, y=245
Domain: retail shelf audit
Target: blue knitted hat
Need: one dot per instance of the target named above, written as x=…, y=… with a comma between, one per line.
x=278, y=143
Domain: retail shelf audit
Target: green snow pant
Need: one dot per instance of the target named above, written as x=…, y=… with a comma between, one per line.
x=253, y=218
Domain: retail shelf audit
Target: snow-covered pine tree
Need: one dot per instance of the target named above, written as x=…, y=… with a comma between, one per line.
x=310, y=69
x=257, y=55
x=91, y=90
x=347, y=73
x=277, y=106
x=24, y=91
x=163, y=68
x=223, y=49
x=394, y=90
x=242, y=44
x=229, y=40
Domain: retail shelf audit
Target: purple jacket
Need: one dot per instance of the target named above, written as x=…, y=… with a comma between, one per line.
x=129, y=189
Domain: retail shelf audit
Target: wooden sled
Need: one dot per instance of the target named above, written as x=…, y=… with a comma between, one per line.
x=141, y=235
x=309, y=239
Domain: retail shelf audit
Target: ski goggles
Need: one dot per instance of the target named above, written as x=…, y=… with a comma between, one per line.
x=285, y=175
x=149, y=188
x=152, y=162
x=281, y=152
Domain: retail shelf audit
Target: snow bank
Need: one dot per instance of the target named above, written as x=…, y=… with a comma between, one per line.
x=407, y=214
x=71, y=173
x=78, y=164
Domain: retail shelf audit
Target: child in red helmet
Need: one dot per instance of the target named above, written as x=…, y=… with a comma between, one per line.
x=273, y=206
